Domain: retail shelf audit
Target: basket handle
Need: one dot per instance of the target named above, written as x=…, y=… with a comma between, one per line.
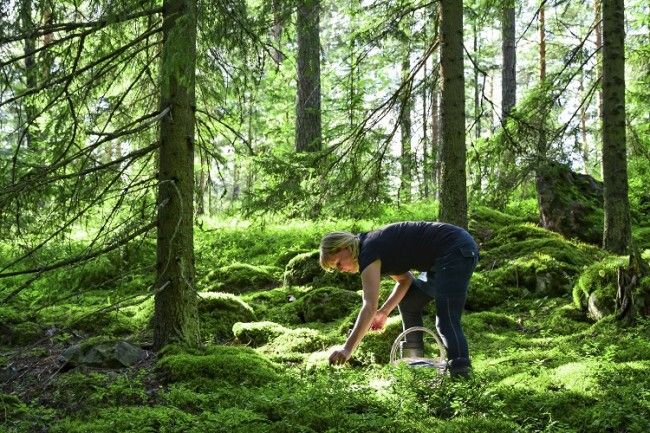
x=441, y=347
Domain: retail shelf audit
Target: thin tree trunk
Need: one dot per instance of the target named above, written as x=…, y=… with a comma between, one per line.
x=426, y=169
x=176, y=317
x=509, y=51
x=276, y=31
x=308, y=107
x=453, y=188
x=477, y=93
x=406, y=158
x=617, y=231
x=436, y=131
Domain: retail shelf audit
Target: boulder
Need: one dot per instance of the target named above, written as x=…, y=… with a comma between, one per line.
x=218, y=313
x=256, y=334
x=242, y=277
x=595, y=289
x=570, y=203
x=116, y=354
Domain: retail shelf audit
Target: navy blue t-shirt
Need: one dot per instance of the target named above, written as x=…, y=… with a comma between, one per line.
x=409, y=245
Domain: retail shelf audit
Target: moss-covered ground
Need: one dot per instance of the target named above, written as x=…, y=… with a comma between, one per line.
x=542, y=360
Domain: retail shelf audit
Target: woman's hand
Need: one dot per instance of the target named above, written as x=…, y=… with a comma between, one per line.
x=379, y=320
x=339, y=356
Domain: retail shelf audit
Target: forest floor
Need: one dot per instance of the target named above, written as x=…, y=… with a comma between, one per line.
x=542, y=362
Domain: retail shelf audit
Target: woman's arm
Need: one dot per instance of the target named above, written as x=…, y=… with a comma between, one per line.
x=370, y=278
x=402, y=284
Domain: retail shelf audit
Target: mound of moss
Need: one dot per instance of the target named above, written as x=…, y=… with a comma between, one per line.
x=534, y=260
x=256, y=334
x=595, y=290
x=218, y=313
x=20, y=334
x=324, y=304
x=304, y=269
x=484, y=222
x=268, y=303
x=242, y=277
x=484, y=294
x=235, y=365
x=296, y=341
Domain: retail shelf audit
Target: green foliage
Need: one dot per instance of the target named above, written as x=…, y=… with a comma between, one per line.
x=218, y=313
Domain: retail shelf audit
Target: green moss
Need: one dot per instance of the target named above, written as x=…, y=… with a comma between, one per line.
x=327, y=304
x=242, y=277
x=257, y=333
x=484, y=293
x=295, y=341
x=21, y=334
x=484, y=222
x=231, y=364
x=375, y=346
x=641, y=236
x=595, y=289
x=304, y=269
x=218, y=312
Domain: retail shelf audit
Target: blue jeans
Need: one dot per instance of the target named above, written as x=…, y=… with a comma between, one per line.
x=447, y=283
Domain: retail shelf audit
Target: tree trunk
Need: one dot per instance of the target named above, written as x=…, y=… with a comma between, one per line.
x=453, y=189
x=509, y=72
x=200, y=200
x=276, y=31
x=617, y=231
x=308, y=112
x=176, y=317
x=477, y=93
x=406, y=159
x=426, y=169
x=31, y=81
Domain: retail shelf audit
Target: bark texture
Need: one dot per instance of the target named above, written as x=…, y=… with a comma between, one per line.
x=617, y=232
x=406, y=160
x=453, y=189
x=175, y=317
x=509, y=52
x=308, y=110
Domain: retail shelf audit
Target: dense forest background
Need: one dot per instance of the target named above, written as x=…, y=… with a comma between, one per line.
x=168, y=169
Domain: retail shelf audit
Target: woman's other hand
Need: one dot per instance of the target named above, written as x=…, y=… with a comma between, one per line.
x=379, y=321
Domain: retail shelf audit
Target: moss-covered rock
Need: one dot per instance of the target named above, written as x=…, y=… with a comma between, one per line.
x=595, y=289
x=538, y=273
x=267, y=303
x=103, y=354
x=242, y=277
x=327, y=304
x=218, y=312
x=234, y=365
x=485, y=222
x=535, y=260
x=299, y=340
x=20, y=334
x=304, y=269
x=324, y=304
x=256, y=334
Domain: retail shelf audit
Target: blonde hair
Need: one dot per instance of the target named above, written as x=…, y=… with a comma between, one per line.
x=334, y=242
